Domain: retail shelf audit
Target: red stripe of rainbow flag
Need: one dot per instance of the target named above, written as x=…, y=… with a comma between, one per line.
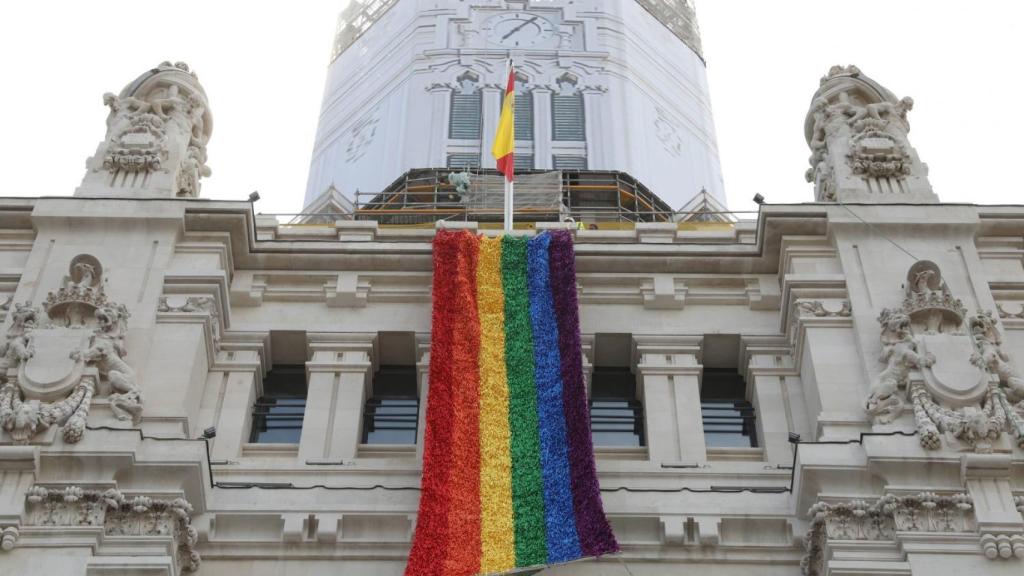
x=508, y=471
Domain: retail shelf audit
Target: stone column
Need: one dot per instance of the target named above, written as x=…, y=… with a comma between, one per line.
x=669, y=378
x=491, y=102
x=542, y=128
x=339, y=376
x=440, y=110
x=245, y=369
x=422, y=390
x=766, y=387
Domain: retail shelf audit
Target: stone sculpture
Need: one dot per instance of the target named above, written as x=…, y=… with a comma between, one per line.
x=57, y=358
x=157, y=131
x=857, y=132
x=961, y=385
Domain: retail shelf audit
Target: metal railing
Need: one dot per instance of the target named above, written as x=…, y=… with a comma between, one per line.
x=426, y=195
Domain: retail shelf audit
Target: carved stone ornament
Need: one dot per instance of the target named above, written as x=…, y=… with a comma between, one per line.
x=157, y=131
x=959, y=383
x=882, y=519
x=56, y=359
x=820, y=309
x=857, y=132
x=195, y=305
x=118, y=515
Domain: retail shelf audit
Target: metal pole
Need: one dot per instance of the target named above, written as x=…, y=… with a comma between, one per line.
x=508, y=204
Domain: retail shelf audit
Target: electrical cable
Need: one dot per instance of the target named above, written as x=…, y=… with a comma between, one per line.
x=877, y=231
x=709, y=490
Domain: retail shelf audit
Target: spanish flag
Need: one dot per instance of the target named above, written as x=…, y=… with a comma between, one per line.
x=505, y=137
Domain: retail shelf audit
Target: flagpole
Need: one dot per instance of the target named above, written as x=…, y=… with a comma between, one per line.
x=508, y=204
x=509, y=184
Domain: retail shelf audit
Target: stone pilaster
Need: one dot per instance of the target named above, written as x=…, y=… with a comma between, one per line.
x=243, y=366
x=422, y=390
x=491, y=102
x=766, y=385
x=339, y=375
x=668, y=374
x=541, y=128
x=440, y=108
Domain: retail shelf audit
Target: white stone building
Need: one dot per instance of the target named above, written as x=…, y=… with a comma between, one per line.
x=616, y=85
x=832, y=388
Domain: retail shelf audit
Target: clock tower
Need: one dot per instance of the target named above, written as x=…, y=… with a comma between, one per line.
x=610, y=86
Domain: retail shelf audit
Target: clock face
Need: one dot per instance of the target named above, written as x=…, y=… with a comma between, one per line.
x=518, y=29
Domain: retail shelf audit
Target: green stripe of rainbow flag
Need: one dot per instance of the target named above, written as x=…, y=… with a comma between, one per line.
x=508, y=471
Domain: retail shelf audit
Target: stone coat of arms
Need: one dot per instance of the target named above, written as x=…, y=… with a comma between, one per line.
x=950, y=366
x=55, y=359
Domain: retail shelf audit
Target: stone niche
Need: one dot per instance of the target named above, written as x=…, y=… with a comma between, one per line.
x=155, y=145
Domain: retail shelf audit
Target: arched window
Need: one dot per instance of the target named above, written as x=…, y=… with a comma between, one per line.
x=464, y=120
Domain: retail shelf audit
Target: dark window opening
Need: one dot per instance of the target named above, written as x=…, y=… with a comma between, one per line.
x=729, y=420
x=391, y=414
x=616, y=416
x=277, y=415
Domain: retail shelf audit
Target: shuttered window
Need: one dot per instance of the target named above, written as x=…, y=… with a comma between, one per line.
x=524, y=117
x=464, y=160
x=523, y=161
x=569, y=162
x=464, y=121
x=567, y=117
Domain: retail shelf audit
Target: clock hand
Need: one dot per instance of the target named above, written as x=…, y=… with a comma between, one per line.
x=518, y=28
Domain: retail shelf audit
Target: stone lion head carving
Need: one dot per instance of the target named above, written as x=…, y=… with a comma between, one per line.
x=895, y=324
x=25, y=317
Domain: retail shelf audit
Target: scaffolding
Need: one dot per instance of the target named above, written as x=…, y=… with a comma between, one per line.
x=585, y=196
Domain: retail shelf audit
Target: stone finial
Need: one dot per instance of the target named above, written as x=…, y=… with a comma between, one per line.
x=857, y=131
x=155, y=145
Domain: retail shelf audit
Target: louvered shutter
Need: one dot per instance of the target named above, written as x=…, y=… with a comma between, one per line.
x=523, y=161
x=569, y=162
x=464, y=160
x=524, y=117
x=464, y=120
x=568, y=118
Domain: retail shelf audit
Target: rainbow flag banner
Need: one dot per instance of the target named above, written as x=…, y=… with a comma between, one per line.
x=508, y=467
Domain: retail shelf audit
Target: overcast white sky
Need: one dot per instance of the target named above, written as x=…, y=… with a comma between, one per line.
x=263, y=66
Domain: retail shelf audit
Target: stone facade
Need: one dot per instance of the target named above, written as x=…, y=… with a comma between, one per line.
x=880, y=345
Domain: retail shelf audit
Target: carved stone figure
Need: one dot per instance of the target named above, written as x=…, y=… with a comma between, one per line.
x=857, y=133
x=155, y=145
x=18, y=347
x=991, y=357
x=945, y=371
x=55, y=362
x=900, y=354
x=107, y=353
